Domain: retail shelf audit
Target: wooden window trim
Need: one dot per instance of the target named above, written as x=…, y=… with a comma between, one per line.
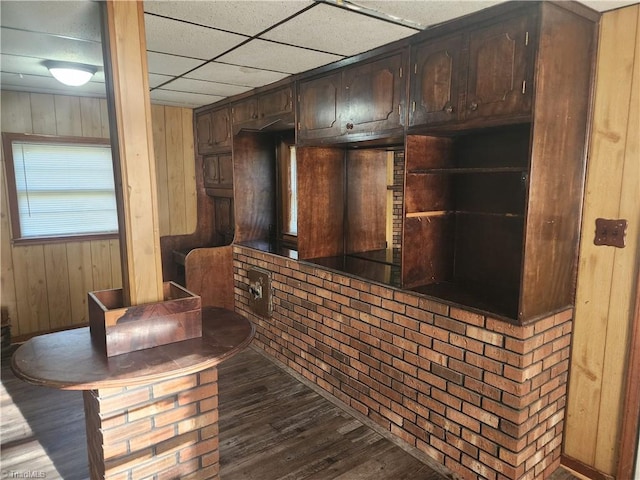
x=12, y=193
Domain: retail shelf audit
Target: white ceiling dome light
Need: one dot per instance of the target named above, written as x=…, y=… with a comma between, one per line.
x=71, y=74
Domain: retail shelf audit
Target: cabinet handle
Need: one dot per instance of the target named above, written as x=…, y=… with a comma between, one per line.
x=473, y=106
x=448, y=108
x=349, y=126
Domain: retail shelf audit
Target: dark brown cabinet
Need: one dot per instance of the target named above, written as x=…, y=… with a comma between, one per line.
x=224, y=218
x=481, y=74
x=320, y=107
x=492, y=206
x=244, y=111
x=360, y=101
x=500, y=73
x=435, y=81
x=218, y=173
x=213, y=131
x=494, y=157
x=269, y=109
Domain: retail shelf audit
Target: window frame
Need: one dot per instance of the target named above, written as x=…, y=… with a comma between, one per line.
x=12, y=192
x=287, y=239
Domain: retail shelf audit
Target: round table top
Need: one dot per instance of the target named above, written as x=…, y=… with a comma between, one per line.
x=67, y=360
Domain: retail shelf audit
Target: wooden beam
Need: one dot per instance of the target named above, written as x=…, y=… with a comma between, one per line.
x=126, y=75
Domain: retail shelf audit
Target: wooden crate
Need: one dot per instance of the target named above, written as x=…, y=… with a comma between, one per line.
x=117, y=329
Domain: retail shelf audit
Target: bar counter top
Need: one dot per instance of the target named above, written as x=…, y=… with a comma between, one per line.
x=67, y=360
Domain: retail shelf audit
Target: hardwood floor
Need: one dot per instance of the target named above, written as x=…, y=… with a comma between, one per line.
x=272, y=426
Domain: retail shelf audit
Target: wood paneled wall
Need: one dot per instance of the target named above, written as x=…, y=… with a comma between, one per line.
x=607, y=275
x=45, y=286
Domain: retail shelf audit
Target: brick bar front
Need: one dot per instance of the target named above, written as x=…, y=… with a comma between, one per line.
x=481, y=396
x=163, y=430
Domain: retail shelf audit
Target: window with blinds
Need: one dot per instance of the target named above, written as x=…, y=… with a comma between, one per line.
x=61, y=187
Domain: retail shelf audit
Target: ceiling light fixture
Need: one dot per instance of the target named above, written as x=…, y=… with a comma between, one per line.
x=71, y=74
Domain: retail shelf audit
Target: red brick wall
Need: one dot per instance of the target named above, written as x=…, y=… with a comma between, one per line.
x=483, y=397
x=164, y=430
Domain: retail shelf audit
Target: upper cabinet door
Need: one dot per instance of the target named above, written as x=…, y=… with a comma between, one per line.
x=500, y=73
x=245, y=111
x=434, y=81
x=213, y=131
x=374, y=96
x=319, y=107
x=276, y=103
x=221, y=128
x=203, y=133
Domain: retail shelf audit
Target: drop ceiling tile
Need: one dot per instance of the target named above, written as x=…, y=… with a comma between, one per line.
x=171, y=36
x=236, y=75
x=336, y=30
x=606, y=5
x=156, y=79
x=44, y=46
x=277, y=57
x=245, y=17
x=205, y=87
x=424, y=14
x=166, y=64
x=80, y=20
x=181, y=98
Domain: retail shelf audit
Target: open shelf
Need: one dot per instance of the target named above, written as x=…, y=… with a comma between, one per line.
x=464, y=218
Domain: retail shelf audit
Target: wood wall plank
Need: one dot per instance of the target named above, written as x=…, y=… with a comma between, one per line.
x=89, y=265
x=625, y=267
x=116, y=266
x=101, y=264
x=67, y=115
x=80, y=280
x=57, y=286
x=7, y=283
x=175, y=169
x=16, y=112
x=606, y=274
x=160, y=152
x=191, y=197
x=30, y=282
x=41, y=107
x=91, y=117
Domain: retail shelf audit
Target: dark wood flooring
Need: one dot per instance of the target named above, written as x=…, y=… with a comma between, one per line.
x=272, y=426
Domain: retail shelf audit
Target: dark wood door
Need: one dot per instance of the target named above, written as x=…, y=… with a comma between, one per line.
x=218, y=171
x=221, y=128
x=245, y=111
x=434, y=81
x=204, y=140
x=225, y=165
x=320, y=106
x=211, y=171
x=224, y=222
x=276, y=103
x=500, y=73
x=373, y=95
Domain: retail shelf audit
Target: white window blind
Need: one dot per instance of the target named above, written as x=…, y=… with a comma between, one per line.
x=64, y=189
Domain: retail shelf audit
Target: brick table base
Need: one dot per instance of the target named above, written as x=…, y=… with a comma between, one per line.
x=162, y=430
